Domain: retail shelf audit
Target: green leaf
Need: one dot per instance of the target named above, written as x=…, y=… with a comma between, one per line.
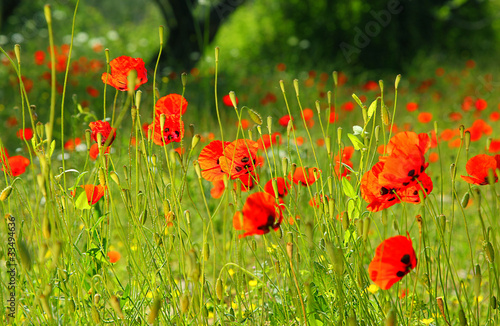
x=82, y=202
x=358, y=144
x=348, y=189
x=372, y=109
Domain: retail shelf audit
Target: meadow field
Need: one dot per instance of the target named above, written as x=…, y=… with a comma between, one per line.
x=135, y=196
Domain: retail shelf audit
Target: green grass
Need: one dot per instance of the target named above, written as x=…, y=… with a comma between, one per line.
x=182, y=262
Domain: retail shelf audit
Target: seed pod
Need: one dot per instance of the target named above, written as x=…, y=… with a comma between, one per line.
x=184, y=79
x=385, y=115
x=493, y=302
x=184, y=303
x=462, y=318
x=197, y=168
x=289, y=250
x=46, y=228
x=219, y=289
x=114, y=176
x=396, y=83
x=277, y=267
x=489, y=252
x=206, y=252
x=345, y=221
x=467, y=140
x=391, y=319
x=24, y=254
x=195, y=140
x=56, y=252
x=155, y=309
x=366, y=228
x=115, y=304
x=96, y=318
x=5, y=193
x=253, y=244
x=476, y=281
x=97, y=298
x=45, y=306
x=232, y=97
x=465, y=200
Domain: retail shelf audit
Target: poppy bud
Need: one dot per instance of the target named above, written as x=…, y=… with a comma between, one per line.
x=163, y=117
x=46, y=228
x=219, y=289
x=187, y=216
x=440, y=305
x=358, y=101
x=289, y=127
x=45, y=306
x=331, y=207
x=282, y=86
x=192, y=266
x=467, y=140
x=24, y=254
x=395, y=225
x=489, y=252
x=39, y=128
x=56, y=252
x=381, y=85
x=493, y=302
x=284, y=165
x=17, y=51
x=256, y=117
x=97, y=298
x=396, y=83
x=465, y=200
x=232, y=97
x=377, y=133
x=476, y=281
x=296, y=86
x=158, y=239
x=99, y=141
x=115, y=304
x=138, y=96
x=366, y=228
x=359, y=226
x=48, y=14
x=184, y=79
x=345, y=221
x=102, y=177
x=195, y=140
x=289, y=250
x=197, y=169
x=442, y=222
x=385, y=115
x=184, y=302
x=96, y=318
x=217, y=50
x=462, y=318
x=5, y=193
x=277, y=267
x=206, y=252
x=114, y=176
x=131, y=81
x=133, y=113
x=335, y=76
x=391, y=319
x=155, y=309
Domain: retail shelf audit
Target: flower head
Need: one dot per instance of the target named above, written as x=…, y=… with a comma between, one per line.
x=103, y=128
x=260, y=214
x=120, y=68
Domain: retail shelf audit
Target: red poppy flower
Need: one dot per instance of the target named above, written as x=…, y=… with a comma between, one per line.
x=171, y=104
x=94, y=151
x=478, y=168
x=346, y=157
x=173, y=129
x=260, y=213
x=370, y=86
x=71, y=144
x=412, y=106
x=424, y=117
x=306, y=179
x=217, y=189
x=103, y=128
x=15, y=165
x=39, y=57
x=248, y=181
x=94, y=193
x=347, y=106
x=481, y=104
x=239, y=157
x=114, y=256
x=282, y=187
x=283, y=121
x=478, y=128
x=307, y=114
x=209, y=161
x=406, y=159
x=25, y=134
x=92, y=91
x=266, y=140
x=227, y=100
x=394, y=258
x=120, y=68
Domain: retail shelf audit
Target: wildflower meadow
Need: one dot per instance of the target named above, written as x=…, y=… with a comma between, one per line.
x=133, y=197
